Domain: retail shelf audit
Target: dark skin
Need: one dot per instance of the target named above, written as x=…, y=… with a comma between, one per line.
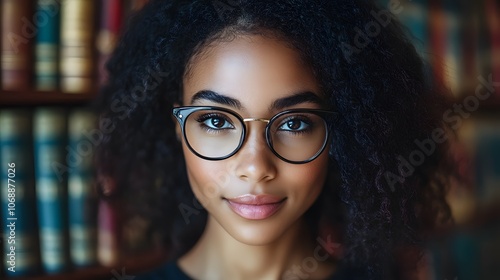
x=262, y=74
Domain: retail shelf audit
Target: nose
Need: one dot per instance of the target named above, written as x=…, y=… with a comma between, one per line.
x=255, y=162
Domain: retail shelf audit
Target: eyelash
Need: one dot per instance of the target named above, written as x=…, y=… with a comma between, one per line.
x=302, y=119
x=201, y=119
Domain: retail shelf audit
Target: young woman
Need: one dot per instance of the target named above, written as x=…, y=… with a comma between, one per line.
x=264, y=141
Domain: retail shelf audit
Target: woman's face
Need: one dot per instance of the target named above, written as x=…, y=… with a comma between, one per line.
x=253, y=195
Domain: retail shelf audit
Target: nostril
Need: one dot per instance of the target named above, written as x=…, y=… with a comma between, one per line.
x=254, y=164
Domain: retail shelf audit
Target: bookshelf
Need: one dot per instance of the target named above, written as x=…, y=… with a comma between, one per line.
x=461, y=42
x=129, y=267
x=470, y=50
x=54, y=74
x=39, y=98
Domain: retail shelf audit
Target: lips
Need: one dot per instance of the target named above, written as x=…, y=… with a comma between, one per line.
x=255, y=207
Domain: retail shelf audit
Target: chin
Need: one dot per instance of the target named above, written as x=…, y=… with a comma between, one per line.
x=255, y=233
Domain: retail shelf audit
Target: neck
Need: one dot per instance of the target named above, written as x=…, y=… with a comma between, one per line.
x=217, y=255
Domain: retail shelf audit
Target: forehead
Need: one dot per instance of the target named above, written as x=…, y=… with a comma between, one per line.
x=253, y=69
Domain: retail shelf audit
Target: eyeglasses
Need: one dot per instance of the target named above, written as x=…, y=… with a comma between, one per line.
x=215, y=133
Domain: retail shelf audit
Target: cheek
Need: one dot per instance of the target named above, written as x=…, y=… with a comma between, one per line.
x=302, y=183
x=308, y=179
x=205, y=177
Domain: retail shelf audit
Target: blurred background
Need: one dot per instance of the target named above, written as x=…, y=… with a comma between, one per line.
x=460, y=40
x=52, y=58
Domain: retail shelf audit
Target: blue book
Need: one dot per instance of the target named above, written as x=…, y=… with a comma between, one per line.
x=17, y=194
x=46, y=47
x=465, y=248
x=49, y=134
x=414, y=16
x=81, y=192
x=487, y=159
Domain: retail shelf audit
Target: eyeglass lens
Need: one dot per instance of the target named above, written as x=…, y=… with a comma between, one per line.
x=213, y=133
x=295, y=136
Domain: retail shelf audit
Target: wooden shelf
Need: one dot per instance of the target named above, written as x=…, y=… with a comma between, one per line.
x=81, y=274
x=131, y=267
x=32, y=98
x=483, y=217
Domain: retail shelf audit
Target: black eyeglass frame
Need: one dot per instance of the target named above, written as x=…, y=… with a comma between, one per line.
x=182, y=113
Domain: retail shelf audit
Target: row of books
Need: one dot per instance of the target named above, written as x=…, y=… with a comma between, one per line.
x=50, y=45
x=466, y=254
x=48, y=198
x=472, y=249
x=481, y=140
x=459, y=39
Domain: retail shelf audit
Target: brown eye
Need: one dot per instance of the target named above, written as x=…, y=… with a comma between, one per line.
x=217, y=122
x=293, y=124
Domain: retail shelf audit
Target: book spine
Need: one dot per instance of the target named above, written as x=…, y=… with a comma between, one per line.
x=77, y=46
x=487, y=159
x=469, y=43
x=415, y=17
x=109, y=233
x=17, y=194
x=483, y=54
x=81, y=192
x=437, y=36
x=49, y=138
x=466, y=255
x=493, y=17
x=46, y=47
x=452, y=56
x=109, y=31
x=17, y=34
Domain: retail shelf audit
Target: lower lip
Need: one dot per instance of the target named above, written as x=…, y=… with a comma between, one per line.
x=255, y=212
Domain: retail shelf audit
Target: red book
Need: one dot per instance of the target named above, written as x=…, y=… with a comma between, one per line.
x=18, y=35
x=437, y=34
x=470, y=46
x=493, y=19
x=109, y=31
x=109, y=239
x=110, y=221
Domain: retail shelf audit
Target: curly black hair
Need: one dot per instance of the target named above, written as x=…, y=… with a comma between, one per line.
x=383, y=198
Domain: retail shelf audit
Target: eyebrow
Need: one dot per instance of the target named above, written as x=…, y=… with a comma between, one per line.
x=279, y=104
x=217, y=98
x=295, y=99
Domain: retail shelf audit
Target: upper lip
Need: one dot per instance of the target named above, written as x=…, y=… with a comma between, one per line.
x=252, y=199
